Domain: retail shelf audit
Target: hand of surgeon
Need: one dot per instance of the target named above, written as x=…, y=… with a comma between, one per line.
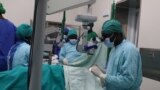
x=97, y=72
x=55, y=59
x=65, y=61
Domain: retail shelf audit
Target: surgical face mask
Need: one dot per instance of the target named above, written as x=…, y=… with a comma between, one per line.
x=108, y=43
x=73, y=41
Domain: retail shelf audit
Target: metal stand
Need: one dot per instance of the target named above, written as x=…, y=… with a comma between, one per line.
x=37, y=45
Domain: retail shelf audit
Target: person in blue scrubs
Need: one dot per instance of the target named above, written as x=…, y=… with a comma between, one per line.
x=68, y=52
x=7, y=38
x=56, y=45
x=124, y=69
x=19, y=53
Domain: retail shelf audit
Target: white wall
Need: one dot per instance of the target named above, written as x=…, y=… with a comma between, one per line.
x=150, y=24
x=149, y=34
x=100, y=8
x=18, y=11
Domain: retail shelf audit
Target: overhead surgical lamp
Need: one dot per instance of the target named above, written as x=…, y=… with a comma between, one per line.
x=86, y=19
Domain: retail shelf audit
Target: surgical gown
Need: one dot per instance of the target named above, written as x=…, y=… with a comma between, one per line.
x=7, y=39
x=69, y=52
x=21, y=55
x=124, y=70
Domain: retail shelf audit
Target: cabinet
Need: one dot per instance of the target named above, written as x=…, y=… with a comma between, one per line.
x=151, y=63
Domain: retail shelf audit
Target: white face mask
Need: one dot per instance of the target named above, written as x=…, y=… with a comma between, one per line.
x=108, y=43
x=73, y=41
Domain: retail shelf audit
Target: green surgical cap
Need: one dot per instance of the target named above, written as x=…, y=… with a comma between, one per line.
x=2, y=10
x=24, y=30
x=112, y=26
x=72, y=32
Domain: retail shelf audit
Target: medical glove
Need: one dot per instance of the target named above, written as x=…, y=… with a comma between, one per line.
x=65, y=61
x=97, y=72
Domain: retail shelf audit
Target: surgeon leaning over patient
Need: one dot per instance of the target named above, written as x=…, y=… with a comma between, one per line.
x=68, y=52
x=124, y=69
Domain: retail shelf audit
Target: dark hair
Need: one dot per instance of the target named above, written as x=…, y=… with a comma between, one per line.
x=72, y=36
x=91, y=24
x=105, y=35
